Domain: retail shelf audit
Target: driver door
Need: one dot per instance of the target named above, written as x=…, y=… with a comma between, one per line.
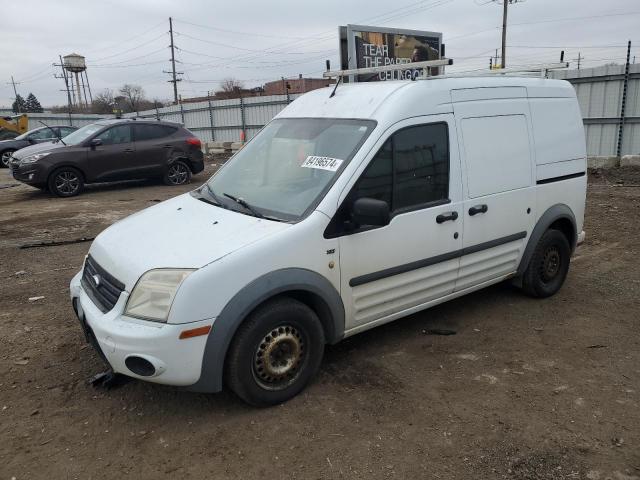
x=390, y=271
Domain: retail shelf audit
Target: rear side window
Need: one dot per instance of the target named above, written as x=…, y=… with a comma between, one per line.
x=495, y=169
x=410, y=170
x=150, y=132
x=116, y=135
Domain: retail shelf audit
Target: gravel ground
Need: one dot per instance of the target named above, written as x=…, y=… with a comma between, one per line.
x=526, y=389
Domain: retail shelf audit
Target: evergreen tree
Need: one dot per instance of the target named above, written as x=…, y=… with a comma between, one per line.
x=19, y=105
x=32, y=104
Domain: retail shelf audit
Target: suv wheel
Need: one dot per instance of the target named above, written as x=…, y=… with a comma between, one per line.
x=548, y=266
x=66, y=182
x=275, y=352
x=4, y=159
x=178, y=173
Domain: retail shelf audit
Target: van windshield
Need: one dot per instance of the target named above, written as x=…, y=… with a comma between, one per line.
x=289, y=165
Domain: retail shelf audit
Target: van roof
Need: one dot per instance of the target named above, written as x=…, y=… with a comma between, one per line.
x=391, y=101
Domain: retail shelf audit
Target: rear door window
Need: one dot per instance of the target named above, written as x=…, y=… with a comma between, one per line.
x=151, y=132
x=116, y=135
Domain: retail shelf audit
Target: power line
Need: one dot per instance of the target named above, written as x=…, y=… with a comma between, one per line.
x=131, y=48
x=127, y=40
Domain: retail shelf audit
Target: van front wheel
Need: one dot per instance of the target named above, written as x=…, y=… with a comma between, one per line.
x=548, y=266
x=275, y=352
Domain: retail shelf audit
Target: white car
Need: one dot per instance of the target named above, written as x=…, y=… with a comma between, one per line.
x=344, y=213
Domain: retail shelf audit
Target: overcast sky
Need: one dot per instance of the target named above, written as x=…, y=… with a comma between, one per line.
x=126, y=41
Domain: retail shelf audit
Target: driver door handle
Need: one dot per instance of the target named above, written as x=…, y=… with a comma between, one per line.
x=447, y=217
x=128, y=150
x=478, y=209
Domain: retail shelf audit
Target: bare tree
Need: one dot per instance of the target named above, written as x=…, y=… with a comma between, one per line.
x=229, y=88
x=103, y=102
x=231, y=84
x=134, y=95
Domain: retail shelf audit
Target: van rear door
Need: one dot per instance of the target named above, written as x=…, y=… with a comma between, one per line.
x=494, y=129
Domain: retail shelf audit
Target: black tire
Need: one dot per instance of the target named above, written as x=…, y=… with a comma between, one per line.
x=548, y=266
x=4, y=157
x=178, y=173
x=66, y=182
x=275, y=352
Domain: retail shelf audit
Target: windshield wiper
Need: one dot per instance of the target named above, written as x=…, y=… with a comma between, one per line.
x=243, y=203
x=212, y=194
x=54, y=132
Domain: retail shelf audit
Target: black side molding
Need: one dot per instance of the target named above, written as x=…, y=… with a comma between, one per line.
x=407, y=267
x=560, y=178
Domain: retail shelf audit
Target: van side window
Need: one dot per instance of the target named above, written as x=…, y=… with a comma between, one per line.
x=411, y=168
x=409, y=172
x=421, y=165
x=377, y=180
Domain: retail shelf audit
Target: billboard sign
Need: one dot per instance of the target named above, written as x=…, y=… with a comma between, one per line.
x=363, y=47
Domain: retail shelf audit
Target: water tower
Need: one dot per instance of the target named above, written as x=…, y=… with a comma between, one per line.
x=76, y=65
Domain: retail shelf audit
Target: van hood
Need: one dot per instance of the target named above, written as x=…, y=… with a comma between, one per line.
x=183, y=232
x=37, y=148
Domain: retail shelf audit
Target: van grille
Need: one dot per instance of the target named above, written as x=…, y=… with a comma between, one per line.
x=103, y=289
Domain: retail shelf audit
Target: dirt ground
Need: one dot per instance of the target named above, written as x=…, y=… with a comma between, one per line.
x=526, y=389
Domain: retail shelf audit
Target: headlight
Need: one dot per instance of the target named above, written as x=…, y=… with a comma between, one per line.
x=34, y=158
x=153, y=295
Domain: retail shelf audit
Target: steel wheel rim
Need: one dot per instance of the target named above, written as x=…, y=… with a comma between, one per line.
x=551, y=264
x=178, y=174
x=67, y=183
x=279, y=357
x=5, y=158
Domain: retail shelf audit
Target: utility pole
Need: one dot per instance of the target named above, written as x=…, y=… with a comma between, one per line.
x=580, y=58
x=505, y=4
x=505, y=11
x=173, y=72
x=16, y=94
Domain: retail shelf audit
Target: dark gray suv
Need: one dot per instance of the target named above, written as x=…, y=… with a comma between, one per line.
x=110, y=150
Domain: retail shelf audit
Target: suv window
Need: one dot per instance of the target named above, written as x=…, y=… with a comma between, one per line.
x=410, y=170
x=149, y=132
x=42, y=134
x=116, y=135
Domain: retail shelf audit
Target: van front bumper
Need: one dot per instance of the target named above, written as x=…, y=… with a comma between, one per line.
x=126, y=343
x=581, y=237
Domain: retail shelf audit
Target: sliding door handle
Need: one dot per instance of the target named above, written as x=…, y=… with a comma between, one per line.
x=447, y=217
x=478, y=209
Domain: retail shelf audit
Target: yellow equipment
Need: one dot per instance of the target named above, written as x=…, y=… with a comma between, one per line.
x=16, y=123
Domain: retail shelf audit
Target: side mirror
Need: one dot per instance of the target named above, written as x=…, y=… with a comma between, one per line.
x=369, y=211
x=31, y=140
x=96, y=142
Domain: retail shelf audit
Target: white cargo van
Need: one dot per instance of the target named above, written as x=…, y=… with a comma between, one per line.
x=345, y=212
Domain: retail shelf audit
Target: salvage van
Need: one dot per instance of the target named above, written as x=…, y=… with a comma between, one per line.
x=355, y=206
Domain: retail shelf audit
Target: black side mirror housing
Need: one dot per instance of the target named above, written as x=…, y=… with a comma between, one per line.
x=96, y=142
x=371, y=212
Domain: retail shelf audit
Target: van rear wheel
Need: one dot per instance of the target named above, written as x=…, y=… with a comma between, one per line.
x=548, y=266
x=275, y=352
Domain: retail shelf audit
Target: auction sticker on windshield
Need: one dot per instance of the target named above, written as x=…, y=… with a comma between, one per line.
x=323, y=163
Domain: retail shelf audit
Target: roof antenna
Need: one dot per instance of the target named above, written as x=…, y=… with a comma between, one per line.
x=336, y=87
x=339, y=78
